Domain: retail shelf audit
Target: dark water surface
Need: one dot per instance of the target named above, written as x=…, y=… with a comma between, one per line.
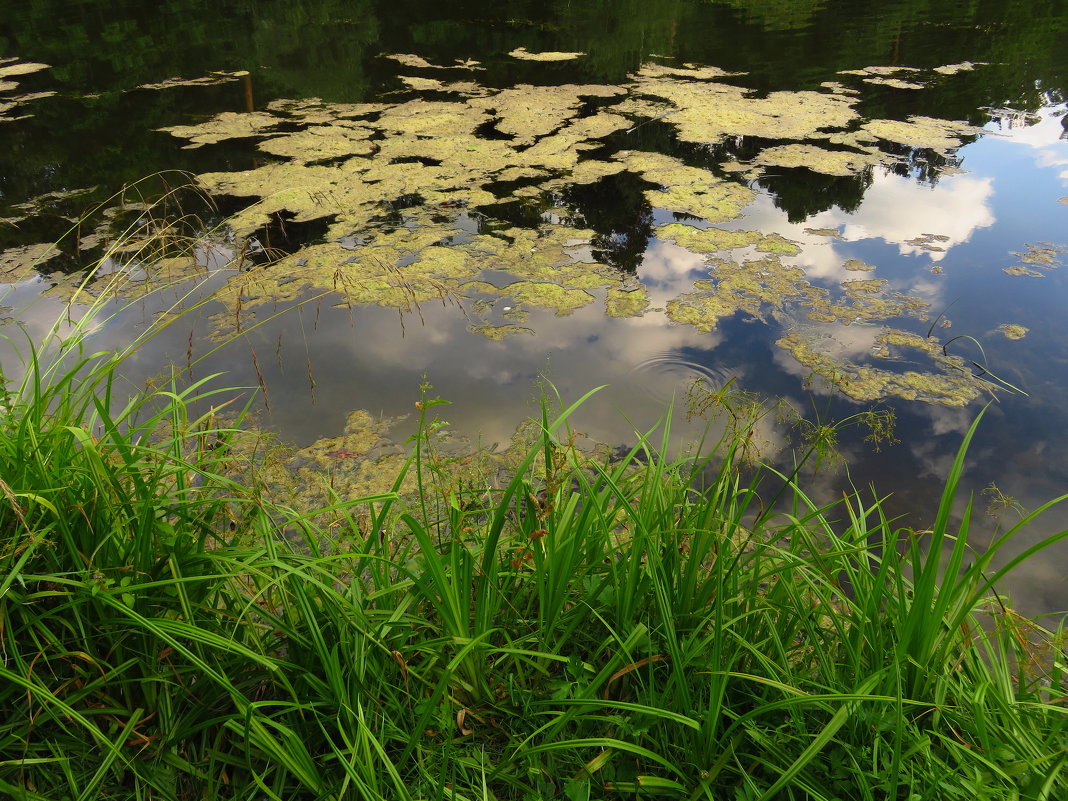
x=988, y=199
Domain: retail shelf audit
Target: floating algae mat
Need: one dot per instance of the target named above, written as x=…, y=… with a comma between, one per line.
x=447, y=191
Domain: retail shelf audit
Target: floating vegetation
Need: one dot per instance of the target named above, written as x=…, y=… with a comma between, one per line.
x=948, y=382
x=928, y=133
x=963, y=66
x=415, y=196
x=894, y=83
x=1021, y=270
x=211, y=79
x=833, y=233
x=228, y=125
x=758, y=288
x=1037, y=257
x=412, y=60
x=880, y=71
x=817, y=159
x=707, y=240
x=322, y=142
x=23, y=263
x=626, y=302
x=927, y=242
x=13, y=68
x=855, y=265
x=549, y=55
x=1013, y=331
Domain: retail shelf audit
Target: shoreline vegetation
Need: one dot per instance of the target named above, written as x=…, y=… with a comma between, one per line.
x=644, y=625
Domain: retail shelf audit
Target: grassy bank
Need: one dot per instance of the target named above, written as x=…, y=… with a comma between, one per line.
x=590, y=629
x=645, y=625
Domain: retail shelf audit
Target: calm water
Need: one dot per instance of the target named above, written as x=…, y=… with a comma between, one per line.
x=1000, y=194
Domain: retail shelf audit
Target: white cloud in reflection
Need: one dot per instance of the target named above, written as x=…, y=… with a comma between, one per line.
x=897, y=209
x=1045, y=137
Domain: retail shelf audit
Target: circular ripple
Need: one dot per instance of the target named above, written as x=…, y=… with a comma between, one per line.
x=669, y=374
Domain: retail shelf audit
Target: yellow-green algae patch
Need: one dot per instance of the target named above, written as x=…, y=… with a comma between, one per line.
x=498, y=332
x=880, y=70
x=24, y=262
x=211, y=79
x=687, y=190
x=817, y=159
x=412, y=60
x=894, y=83
x=1018, y=270
x=833, y=233
x=12, y=67
x=706, y=240
x=696, y=72
x=1013, y=331
x=550, y=296
x=947, y=383
x=621, y=302
x=527, y=112
x=963, y=66
x=754, y=287
x=11, y=103
x=710, y=112
x=940, y=136
x=856, y=265
x=776, y=243
x=548, y=55
x=321, y=143
x=228, y=125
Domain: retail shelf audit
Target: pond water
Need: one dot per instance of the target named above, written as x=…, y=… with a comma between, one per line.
x=842, y=204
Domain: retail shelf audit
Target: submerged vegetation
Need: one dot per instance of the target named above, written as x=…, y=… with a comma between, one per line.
x=579, y=625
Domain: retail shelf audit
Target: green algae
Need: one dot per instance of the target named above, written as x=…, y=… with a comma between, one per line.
x=759, y=288
x=211, y=79
x=403, y=176
x=523, y=54
x=880, y=70
x=23, y=263
x=322, y=142
x=560, y=299
x=12, y=68
x=817, y=159
x=856, y=265
x=412, y=60
x=498, y=332
x=695, y=72
x=831, y=233
x=963, y=66
x=947, y=383
x=709, y=112
x=687, y=190
x=620, y=302
x=228, y=125
x=894, y=83
x=928, y=133
x=706, y=240
x=1013, y=331
x=776, y=243
x=527, y=112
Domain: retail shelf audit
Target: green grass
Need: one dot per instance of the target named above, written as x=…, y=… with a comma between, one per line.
x=648, y=626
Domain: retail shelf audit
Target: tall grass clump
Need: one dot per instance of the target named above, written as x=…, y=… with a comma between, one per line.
x=645, y=625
